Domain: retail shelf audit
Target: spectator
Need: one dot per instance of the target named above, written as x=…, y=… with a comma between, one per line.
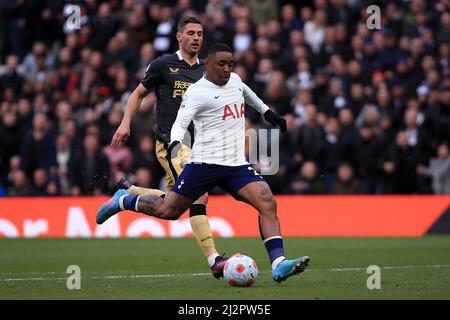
x=307, y=182
x=20, y=187
x=277, y=96
x=304, y=97
x=347, y=183
x=119, y=159
x=147, y=54
x=417, y=136
x=335, y=98
x=165, y=31
x=63, y=154
x=11, y=78
x=40, y=180
x=70, y=130
x=310, y=139
x=331, y=147
x=105, y=26
x=302, y=80
x=348, y=135
x=401, y=163
x=14, y=165
x=365, y=157
x=262, y=11
x=146, y=157
x=39, y=52
x=38, y=147
x=218, y=30
x=357, y=98
x=63, y=114
x=243, y=38
x=439, y=170
x=144, y=178
x=315, y=30
x=89, y=169
x=289, y=20
x=53, y=187
x=10, y=140
x=214, y=6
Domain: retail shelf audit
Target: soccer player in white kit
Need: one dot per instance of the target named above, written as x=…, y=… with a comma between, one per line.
x=216, y=105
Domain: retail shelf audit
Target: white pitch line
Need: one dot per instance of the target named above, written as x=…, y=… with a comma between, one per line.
x=388, y=268
x=208, y=274
x=110, y=277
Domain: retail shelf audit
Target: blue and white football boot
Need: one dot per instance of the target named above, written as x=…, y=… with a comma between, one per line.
x=288, y=268
x=110, y=207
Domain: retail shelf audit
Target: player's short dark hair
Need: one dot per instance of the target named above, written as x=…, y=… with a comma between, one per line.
x=185, y=20
x=218, y=47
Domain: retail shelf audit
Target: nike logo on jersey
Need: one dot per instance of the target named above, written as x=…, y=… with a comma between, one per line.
x=215, y=97
x=181, y=184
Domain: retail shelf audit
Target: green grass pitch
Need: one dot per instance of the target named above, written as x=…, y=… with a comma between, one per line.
x=411, y=268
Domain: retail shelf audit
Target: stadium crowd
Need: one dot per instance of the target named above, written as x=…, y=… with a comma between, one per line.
x=368, y=111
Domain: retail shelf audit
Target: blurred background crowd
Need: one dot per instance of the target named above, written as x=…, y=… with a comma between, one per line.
x=368, y=111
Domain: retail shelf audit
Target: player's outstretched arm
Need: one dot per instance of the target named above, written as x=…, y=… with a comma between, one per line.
x=134, y=101
x=253, y=100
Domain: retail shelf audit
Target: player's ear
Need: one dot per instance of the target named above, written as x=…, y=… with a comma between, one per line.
x=178, y=36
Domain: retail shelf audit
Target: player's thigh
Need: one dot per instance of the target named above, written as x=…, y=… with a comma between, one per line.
x=195, y=181
x=203, y=199
x=258, y=195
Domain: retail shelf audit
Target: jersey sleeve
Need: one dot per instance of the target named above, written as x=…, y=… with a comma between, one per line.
x=152, y=74
x=189, y=107
x=253, y=100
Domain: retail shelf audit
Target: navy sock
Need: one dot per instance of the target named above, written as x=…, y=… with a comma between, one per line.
x=274, y=248
x=129, y=202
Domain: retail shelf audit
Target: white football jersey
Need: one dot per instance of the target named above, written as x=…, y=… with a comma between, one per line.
x=218, y=115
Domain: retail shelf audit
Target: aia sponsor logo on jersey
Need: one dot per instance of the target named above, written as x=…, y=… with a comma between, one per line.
x=233, y=111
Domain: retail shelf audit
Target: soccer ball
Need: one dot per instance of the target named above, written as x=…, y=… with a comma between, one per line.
x=240, y=271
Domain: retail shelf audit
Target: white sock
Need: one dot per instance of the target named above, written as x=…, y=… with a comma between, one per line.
x=274, y=237
x=212, y=259
x=277, y=261
x=136, y=206
x=121, y=202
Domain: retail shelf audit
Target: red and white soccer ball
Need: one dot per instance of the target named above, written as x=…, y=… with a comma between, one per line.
x=240, y=271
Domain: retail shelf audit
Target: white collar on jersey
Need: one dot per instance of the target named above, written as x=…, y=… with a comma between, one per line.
x=180, y=57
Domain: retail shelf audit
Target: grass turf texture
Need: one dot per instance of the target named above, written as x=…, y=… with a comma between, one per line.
x=411, y=268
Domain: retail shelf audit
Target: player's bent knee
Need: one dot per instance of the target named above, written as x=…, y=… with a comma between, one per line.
x=170, y=216
x=170, y=213
x=268, y=206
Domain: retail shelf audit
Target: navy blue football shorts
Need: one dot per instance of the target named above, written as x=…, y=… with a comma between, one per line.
x=199, y=178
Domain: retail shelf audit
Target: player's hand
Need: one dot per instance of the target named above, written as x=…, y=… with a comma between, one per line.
x=275, y=120
x=121, y=135
x=172, y=150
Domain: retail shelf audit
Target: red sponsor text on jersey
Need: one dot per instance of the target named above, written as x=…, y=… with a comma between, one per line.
x=233, y=112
